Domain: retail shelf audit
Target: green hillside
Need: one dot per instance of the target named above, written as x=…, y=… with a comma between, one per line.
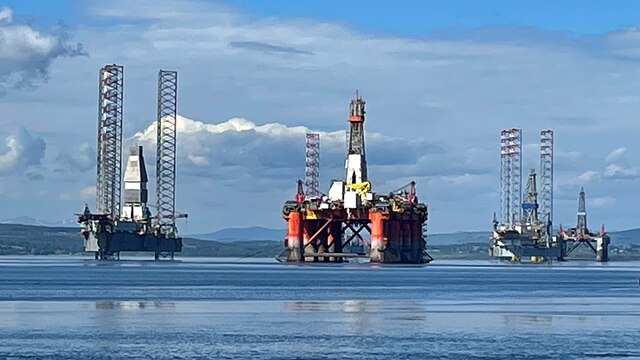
x=43, y=240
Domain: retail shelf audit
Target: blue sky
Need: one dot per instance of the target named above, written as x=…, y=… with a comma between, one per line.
x=409, y=17
x=415, y=17
x=441, y=79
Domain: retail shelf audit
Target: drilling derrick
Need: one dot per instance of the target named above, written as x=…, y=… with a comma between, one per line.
x=524, y=232
x=598, y=243
x=312, y=165
x=109, y=159
x=114, y=229
x=321, y=228
x=581, y=224
x=356, y=158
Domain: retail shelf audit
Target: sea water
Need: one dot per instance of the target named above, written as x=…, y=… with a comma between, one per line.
x=204, y=308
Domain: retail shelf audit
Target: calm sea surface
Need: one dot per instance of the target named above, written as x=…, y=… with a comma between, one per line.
x=64, y=307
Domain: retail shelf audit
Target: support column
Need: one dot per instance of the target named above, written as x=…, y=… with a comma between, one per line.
x=405, y=244
x=294, y=236
x=334, y=240
x=417, y=243
x=602, y=249
x=562, y=243
x=377, y=237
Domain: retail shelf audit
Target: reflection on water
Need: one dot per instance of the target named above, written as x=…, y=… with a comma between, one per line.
x=133, y=305
x=347, y=306
x=210, y=309
x=528, y=320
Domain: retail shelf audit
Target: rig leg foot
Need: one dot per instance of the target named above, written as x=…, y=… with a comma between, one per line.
x=376, y=256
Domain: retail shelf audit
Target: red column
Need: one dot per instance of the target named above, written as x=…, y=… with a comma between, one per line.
x=377, y=230
x=294, y=235
x=377, y=237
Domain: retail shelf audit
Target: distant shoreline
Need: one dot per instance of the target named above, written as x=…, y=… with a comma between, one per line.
x=52, y=241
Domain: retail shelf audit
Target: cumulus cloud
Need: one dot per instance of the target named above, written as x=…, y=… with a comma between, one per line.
x=273, y=154
x=26, y=53
x=21, y=150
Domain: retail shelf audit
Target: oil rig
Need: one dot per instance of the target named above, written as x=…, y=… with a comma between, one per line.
x=322, y=226
x=598, y=243
x=131, y=227
x=524, y=232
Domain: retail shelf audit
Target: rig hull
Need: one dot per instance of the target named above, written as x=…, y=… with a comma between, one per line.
x=323, y=235
x=107, y=242
x=523, y=249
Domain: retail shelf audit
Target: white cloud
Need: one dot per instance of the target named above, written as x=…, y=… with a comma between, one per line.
x=615, y=154
x=600, y=202
x=21, y=150
x=26, y=53
x=198, y=160
x=6, y=14
x=589, y=175
x=615, y=171
x=273, y=153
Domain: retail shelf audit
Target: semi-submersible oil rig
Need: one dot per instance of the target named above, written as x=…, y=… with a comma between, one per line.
x=132, y=227
x=322, y=227
x=525, y=230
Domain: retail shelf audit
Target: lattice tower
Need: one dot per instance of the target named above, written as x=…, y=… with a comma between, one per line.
x=505, y=180
x=546, y=175
x=515, y=174
x=312, y=164
x=166, y=151
x=109, y=152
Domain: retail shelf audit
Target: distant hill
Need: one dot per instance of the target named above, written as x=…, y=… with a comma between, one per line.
x=28, y=220
x=625, y=237
x=465, y=237
x=251, y=233
x=17, y=239
x=258, y=233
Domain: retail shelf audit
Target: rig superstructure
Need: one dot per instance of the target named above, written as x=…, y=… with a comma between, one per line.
x=321, y=227
x=525, y=230
x=131, y=227
x=572, y=238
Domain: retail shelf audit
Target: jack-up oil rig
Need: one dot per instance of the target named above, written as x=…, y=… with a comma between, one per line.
x=113, y=229
x=321, y=227
x=525, y=230
x=580, y=235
